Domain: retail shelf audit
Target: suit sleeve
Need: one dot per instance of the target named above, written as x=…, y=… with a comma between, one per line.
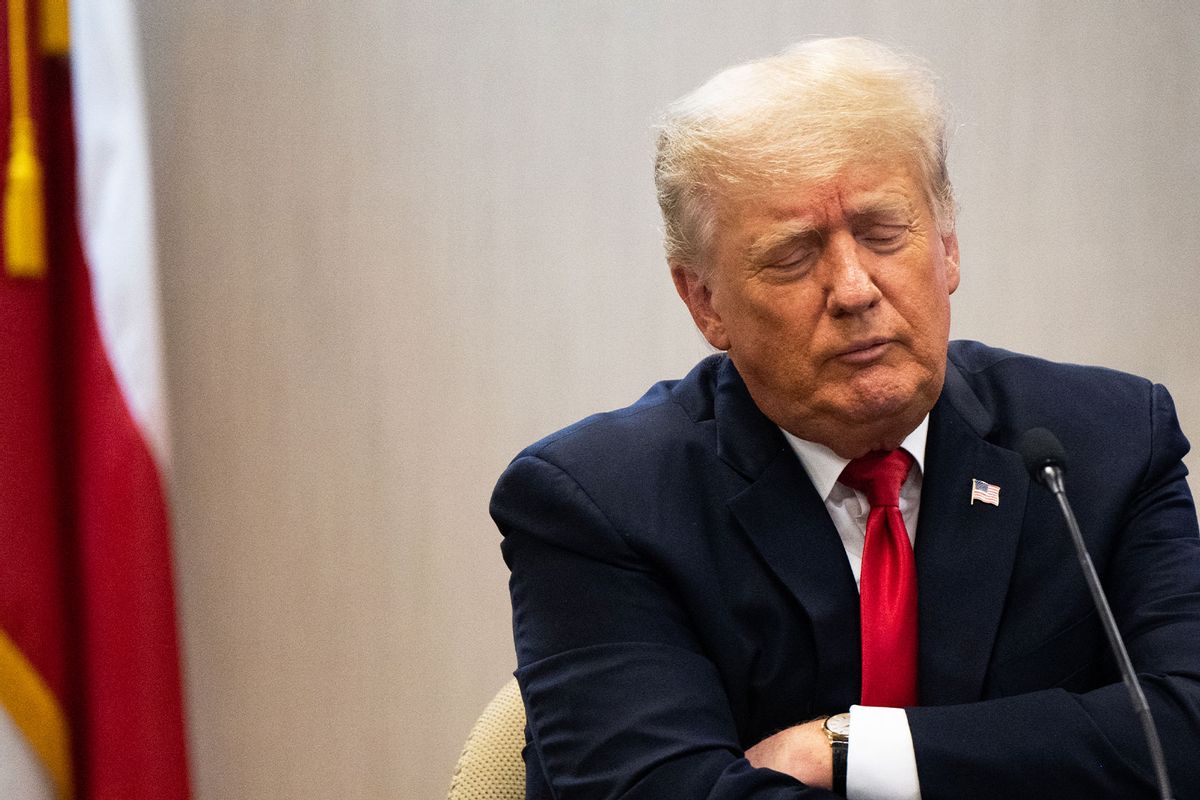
x=620, y=699
x=1056, y=744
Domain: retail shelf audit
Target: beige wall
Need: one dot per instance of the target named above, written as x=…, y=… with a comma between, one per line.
x=401, y=240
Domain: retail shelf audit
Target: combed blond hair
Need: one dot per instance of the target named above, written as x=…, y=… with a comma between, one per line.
x=797, y=118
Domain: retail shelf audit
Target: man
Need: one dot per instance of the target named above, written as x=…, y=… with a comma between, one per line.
x=686, y=572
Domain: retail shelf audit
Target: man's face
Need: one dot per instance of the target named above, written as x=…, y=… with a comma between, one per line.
x=833, y=301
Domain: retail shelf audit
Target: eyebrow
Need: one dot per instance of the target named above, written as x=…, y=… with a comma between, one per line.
x=881, y=206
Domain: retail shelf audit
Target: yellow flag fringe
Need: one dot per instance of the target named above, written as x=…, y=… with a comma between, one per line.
x=24, y=193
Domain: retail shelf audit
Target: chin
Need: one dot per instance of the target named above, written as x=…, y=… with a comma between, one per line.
x=898, y=400
x=871, y=411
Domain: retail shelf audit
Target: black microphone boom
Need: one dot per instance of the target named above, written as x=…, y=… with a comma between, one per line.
x=1046, y=460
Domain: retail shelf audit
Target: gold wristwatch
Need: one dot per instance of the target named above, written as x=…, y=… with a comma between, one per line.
x=837, y=731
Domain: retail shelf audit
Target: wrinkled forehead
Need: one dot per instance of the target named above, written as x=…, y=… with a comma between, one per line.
x=856, y=187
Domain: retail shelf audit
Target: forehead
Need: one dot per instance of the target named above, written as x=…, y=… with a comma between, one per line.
x=855, y=191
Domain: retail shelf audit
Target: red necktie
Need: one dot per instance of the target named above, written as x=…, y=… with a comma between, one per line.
x=887, y=583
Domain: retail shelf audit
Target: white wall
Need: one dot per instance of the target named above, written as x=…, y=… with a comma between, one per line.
x=401, y=240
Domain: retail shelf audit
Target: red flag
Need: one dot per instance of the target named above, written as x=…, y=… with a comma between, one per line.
x=90, y=693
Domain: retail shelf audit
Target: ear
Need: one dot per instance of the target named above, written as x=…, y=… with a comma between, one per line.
x=697, y=296
x=950, y=246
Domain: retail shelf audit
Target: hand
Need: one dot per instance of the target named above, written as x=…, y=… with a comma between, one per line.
x=801, y=751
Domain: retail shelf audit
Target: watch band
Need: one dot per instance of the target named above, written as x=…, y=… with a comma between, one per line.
x=841, y=750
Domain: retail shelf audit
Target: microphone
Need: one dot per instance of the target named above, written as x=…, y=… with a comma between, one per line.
x=1046, y=461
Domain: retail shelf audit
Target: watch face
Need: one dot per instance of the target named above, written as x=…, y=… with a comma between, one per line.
x=839, y=725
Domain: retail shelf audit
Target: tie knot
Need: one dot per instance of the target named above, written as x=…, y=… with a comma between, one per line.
x=878, y=475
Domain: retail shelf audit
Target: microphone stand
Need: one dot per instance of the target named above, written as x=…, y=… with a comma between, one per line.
x=1051, y=476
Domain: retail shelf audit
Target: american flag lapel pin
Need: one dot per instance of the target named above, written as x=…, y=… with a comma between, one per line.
x=984, y=492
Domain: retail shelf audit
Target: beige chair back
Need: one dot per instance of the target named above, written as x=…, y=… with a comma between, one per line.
x=491, y=767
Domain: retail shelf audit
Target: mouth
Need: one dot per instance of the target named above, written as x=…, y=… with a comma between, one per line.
x=864, y=351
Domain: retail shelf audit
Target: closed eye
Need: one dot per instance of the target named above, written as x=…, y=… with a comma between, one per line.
x=789, y=264
x=793, y=259
x=884, y=238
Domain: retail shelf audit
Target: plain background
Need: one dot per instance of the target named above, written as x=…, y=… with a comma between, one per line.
x=401, y=240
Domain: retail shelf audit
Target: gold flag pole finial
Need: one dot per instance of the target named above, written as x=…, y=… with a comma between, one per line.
x=24, y=205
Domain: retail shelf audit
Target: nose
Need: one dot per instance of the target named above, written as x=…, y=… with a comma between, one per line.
x=849, y=288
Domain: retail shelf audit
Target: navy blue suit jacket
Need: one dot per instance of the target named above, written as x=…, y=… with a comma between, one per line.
x=680, y=593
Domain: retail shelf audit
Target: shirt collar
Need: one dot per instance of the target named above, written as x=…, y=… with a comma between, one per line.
x=824, y=466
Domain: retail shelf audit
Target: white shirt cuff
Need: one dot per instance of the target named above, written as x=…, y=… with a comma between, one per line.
x=881, y=764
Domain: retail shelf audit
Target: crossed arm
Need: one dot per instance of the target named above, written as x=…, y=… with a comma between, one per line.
x=624, y=701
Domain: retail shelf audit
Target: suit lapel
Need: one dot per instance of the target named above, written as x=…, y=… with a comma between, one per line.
x=787, y=523
x=965, y=552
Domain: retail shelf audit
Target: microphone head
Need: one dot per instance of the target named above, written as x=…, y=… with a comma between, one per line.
x=1040, y=448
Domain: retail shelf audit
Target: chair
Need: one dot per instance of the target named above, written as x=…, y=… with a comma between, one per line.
x=491, y=767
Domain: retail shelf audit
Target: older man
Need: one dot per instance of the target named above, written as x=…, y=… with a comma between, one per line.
x=830, y=516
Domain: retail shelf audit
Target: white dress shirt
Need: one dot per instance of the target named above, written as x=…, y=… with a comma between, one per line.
x=881, y=764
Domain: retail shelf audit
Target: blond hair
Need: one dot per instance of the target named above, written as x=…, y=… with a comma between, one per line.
x=799, y=117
